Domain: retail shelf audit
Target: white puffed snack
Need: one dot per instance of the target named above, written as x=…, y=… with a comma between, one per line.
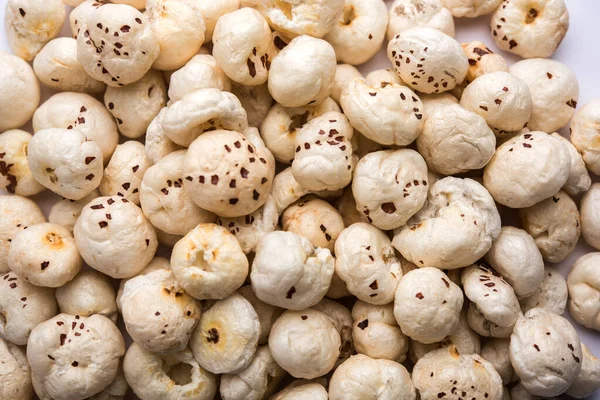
x=226, y=338
x=124, y=172
x=584, y=291
x=15, y=375
x=495, y=351
x=18, y=213
x=89, y=293
x=305, y=343
x=15, y=175
x=243, y=46
x=267, y=314
x=201, y=111
x=527, y=169
x=433, y=101
x=157, y=145
x=585, y=134
x=114, y=237
x=116, y=390
x=588, y=380
x=19, y=92
x=387, y=113
x=344, y=74
x=530, y=29
x=173, y=376
x=135, y=105
x=78, y=15
x=29, y=25
x=74, y=356
x=227, y=174
x=23, y=306
x=454, y=229
x=45, y=255
x=304, y=71
x=290, y=272
x=501, y=98
x=307, y=391
x=65, y=212
x=551, y=295
x=515, y=256
x=116, y=44
x=155, y=264
x=256, y=100
x=390, y=186
x=455, y=140
x=471, y=8
x=83, y=113
x=362, y=377
x=381, y=77
x=579, y=180
x=286, y=190
x=554, y=224
x=341, y=317
x=367, y=264
x=406, y=14
x=158, y=314
x=209, y=262
x=482, y=60
x=57, y=67
x=447, y=372
x=545, y=352
x=213, y=10
x=324, y=159
x=428, y=60
x=590, y=216
x=201, y=72
x=376, y=333
x=427, y=305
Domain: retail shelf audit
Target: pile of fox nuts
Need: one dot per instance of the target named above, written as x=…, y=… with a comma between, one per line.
x=238, y=213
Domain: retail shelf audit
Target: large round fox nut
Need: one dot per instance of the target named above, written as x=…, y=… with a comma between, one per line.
x=471, y=8
x=212, y=11
x=290, y=272
x=545, y=352
x=359, y=32
x=45, y=255
x=155, y=264
x=18, y=213
x=390, y=186
x=23, y=306
x=65, y=212
x=454, y=229
x=305, y=343
x=428, y=60
x=80, y=12
x=515, y=256
x=367, y=264
x=209, y=262
x=588, y=379
x=362, y=377
x=386, y=113
x=256, y=100
x=551, y=295
x=226, y=174
x=226, y=338
x=585, y=134
x=243, y=46
x=258, y=380
x=29, y=25
x=74, y=356
x=267, y=314
x=158, y=314
x=584, y=291
x=376, y=333
x=555, y=225
x=57, y=67
x=286, y=190
x=124, y=172
x=341, y=317
x=324, y=159
x=344, y=74
x=89, y=293
x=172, y=376
x=590, y=216
x=114, y=237
x=307, y=391
x=495, y=351
x=201, y=72
x=579, y=180
x=15, y=378
x=20, y=92
x=427, y=305
x=303, y=72
x=407, y=14
x=15, y=175
x=530, y=29
x=83, y=113
x=116, y=44
x=455, y=140
x=447, y=371
x=527, y=169
x=157, y=145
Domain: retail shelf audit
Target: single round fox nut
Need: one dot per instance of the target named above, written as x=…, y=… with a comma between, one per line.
x=551, y=295
x=15, y=175
x=584, y=291
x=15, y=378
x=124, y=172
x=406, y=14
x=590, y=216
x=201, y=72
x=20, y=92
x=471, y=8
x=585, y=134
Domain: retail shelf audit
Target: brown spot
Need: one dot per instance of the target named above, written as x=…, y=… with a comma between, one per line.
x=125, y=28
x=22, y=12
x=498, y=101
x=244, y=172
x=363, y=324
x=531, y=15
x=441, y=394
x=147, y=242
x=505, y=89
x=484, y=108
x=279, y=43
x=75, y=363
x=374, y=285
x=45, y=265
x=103, y=224
x=233, y=201
x=420, y=296
x=214, y=179
x=513, y=44
x=89, y=177
x=110, y=201
x=472, y=62
x=549, y=75
x=304, y=317
x=290, y=292
x=572, y=103
x=255, y=195
x=388, y=208
x=577, y=360
x=527, y=145
x=201, y=179
x=570, y=346
x=251, y=68
x=164, y=191
x=536, y=347
x=446, y=282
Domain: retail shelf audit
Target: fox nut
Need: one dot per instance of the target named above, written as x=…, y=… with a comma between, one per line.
x=65, y=212
x=303, y=72
x=209, y=262
x=527, y=169
x=584, y=288
x=585, y=134
x=433, y=101
x=471, y=8
x=130, y=48
x=344, y=74
x=482, y=61
x=428, y=60
x=460, y=221
x=256, y=100
x=590, y=216
x=551, y=295
x=15, y=175
x=213, y=10
x=406, y=14
x=387, y=113
x=530, y=29
x=20, y=91
x=267, y=314
x=307, y=391
x=579, y=180
x=16, y=376
x=114, y=237
x=157, y=145
x=201, y=72
x=588, y=379
x=124, y=172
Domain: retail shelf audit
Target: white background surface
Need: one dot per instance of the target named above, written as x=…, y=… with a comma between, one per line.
x=580, y=51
